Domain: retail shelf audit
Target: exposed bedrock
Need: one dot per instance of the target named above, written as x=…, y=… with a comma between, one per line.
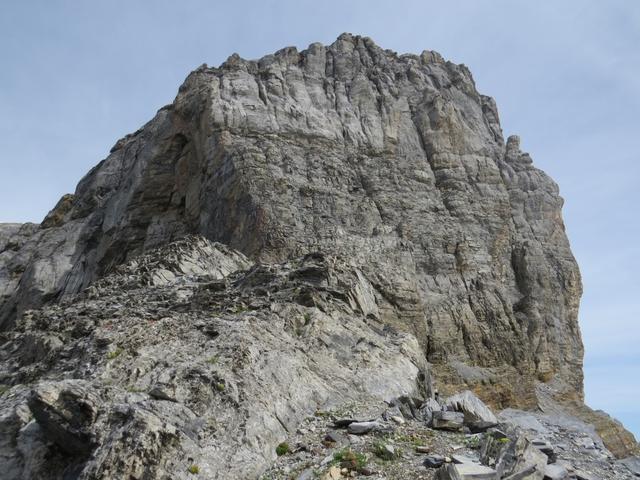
x=393, y=163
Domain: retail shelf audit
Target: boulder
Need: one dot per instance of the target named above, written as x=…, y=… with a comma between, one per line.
x=513, y=456
x=66, y=411
x=409, y=407
x=444, y=420
x=428, y=407
x=545, y=447
x=361, y=428
x=477, y=416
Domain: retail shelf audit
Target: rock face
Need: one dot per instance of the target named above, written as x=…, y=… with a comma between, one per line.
x=144, y=375
x=393, y=167
x=393, y=161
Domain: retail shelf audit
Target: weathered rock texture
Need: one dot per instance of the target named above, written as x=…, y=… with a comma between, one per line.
x=393, y=163
x=161, y=366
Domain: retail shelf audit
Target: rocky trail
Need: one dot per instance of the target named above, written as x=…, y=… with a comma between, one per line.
x=405, y=443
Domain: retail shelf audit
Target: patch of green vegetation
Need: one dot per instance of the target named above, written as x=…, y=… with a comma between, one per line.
x=345, y=410
x=193, y=469
x=380, y=450
x=503, y=440
x=282, y=449
x=213, y=360
x=115, y=353
x=349, y=459
x=413, y=439
x=473, y=442
x=220, y=386
x=135, y=390
x=239, y=308
x=4, y=389
x=307, y=318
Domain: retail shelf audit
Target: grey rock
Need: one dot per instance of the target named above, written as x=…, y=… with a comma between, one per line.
x=397, y=419
x=433, y=461
x=304, y=230
x=633, y=464
x=513, y=456
x=427, y=408
x=466, y=471
x=586, y=443
x=545, y=447
x=394, y=161
x=457, y=458
x=343, y=422
x=308, y=474
x=408, y=407
x=524, y=420
x=582, y=475
x=447, y=420
x=288, y=343
x=477, y=415
x=66, y=411
x=555, y=472
x=392, y=411
x=362, y=428
x=386, y=451
x=333, y=437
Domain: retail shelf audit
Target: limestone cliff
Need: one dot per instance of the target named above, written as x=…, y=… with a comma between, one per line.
x=393, y=164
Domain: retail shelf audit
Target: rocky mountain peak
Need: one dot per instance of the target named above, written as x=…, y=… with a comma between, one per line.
x=318, y=188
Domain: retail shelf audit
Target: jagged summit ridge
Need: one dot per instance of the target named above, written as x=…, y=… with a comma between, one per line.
x=394, y=163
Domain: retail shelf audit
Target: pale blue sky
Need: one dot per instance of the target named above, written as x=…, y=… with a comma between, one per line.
x=75, y=76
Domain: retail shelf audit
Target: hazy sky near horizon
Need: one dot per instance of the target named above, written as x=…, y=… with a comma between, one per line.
x=75, y=76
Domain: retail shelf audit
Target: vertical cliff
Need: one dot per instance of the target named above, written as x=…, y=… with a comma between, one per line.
x=380, y=234
x=394, y=162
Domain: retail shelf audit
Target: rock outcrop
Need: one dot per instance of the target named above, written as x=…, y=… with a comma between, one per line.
x=371, y=191
x=395, y=161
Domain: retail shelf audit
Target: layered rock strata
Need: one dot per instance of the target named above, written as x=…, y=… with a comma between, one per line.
x=393, y=165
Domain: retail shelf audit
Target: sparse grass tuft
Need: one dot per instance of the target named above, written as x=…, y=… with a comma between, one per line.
x=193, y=469
x=4, y=389
x=473, y=442
x=135, y=390
x=413, y=439
x=239, y=308
x=115, y=353
x=282, y=449
x=220, y=387
x=349, y=459
x=213, y=360
x=380, y=451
